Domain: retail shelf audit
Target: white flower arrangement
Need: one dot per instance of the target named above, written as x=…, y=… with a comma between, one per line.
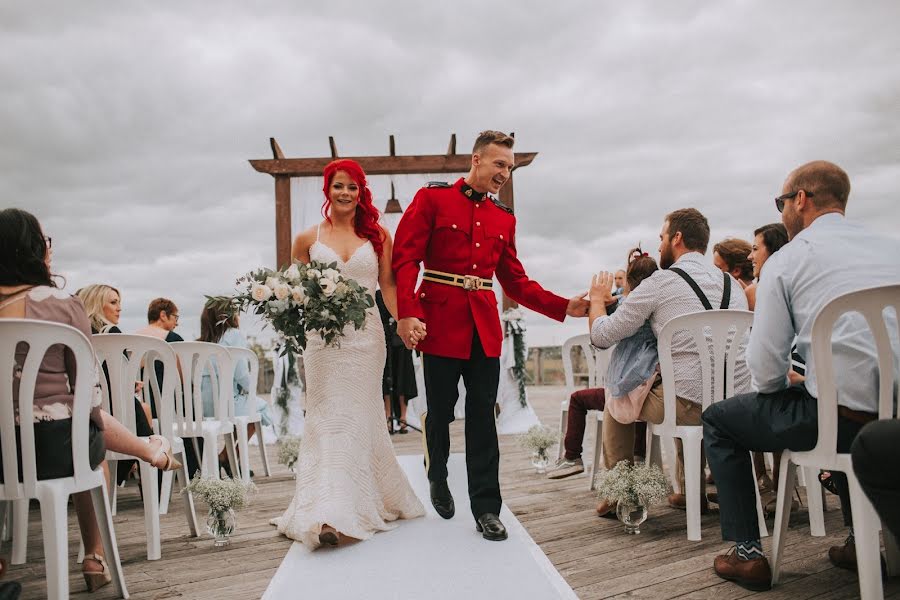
x=538, y=439
x=220, y=494
x=632, y=485
x=303, y=298
x=289, y=450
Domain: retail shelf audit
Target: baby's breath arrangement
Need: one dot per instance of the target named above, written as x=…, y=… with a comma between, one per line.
x=289, y=450
x=220, y=494
x=632, y=485
x=538, y=439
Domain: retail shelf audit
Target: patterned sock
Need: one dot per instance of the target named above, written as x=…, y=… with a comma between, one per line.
x=750, y=549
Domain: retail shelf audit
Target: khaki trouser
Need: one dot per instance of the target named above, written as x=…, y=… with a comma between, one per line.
x=618, y=439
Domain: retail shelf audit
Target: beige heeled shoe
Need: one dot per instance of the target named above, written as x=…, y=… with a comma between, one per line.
x=97, y=579
x=165, y=449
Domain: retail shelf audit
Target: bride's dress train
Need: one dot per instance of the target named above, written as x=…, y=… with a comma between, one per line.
x=347, y=474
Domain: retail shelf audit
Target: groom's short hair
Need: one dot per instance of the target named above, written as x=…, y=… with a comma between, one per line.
x=492, y=137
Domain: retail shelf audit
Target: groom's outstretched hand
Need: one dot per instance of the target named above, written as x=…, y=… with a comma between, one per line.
x=578, y=306
x=411, y=330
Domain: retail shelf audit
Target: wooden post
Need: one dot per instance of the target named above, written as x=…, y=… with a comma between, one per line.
x=282, y=221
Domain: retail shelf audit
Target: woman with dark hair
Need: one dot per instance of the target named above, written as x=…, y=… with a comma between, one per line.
x=349, y=483
x=767, y=240
x=28, y=291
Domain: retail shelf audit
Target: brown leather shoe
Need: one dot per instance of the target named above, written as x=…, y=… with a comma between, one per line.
x=754, y=575
x=844, y=556
x=679, y=501
x=606, y=509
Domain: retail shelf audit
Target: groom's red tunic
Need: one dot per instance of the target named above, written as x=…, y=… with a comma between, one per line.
x=455, y=234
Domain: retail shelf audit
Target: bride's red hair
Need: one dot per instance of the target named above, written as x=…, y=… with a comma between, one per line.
x=365, y=224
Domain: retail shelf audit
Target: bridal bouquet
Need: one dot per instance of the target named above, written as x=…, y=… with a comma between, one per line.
x=303, y=298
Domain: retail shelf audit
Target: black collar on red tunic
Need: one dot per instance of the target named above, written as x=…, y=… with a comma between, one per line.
x=470, y=193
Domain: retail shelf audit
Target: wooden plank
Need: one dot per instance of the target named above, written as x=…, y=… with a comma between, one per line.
x=333, y=147
x=451, y=148
x=380, y=165
x=276, y=149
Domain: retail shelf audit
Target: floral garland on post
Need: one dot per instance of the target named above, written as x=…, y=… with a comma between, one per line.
x=514, y=326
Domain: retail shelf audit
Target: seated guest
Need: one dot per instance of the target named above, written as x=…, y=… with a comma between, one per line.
x=877, y=445
x=103, y=305
x=634, y=355
x=733, y=257
x=28, y=291
x=826, y=254
x=219, y=324
x=664, y=295
x=162, y=319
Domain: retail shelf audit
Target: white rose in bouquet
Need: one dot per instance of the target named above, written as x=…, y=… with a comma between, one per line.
x=271, y=282
x=313, y=274
x=298, y=294
x=331, y=274
x=328, y=286
x=260, y=292
x=341, y=289
x=282, y=290
x=292, y=274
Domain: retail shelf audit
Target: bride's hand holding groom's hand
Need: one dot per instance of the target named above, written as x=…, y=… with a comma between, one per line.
x=412, y=331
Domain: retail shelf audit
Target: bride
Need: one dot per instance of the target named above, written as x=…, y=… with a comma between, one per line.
x=349, y=484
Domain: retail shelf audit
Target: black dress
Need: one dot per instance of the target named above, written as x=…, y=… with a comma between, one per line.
x=399, y=374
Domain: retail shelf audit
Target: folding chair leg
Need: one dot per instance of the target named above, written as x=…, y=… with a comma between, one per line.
x=654, y=450
x=210, y=458
x=262, y=448
x=865, y=529
x=188, y=497
x=692, y=481
x=150, y=492
x=165, y=493
x=782, y=513
x=815, y=502
x=19, y=532
x=563, y=425
x=54, y=520
x=100, y=498
x=232, y=456
x=760, y=514
x=113, y=485
x=244, y=451
x=598, y=449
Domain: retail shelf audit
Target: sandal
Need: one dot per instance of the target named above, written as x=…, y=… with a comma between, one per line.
x=96, y=579
x=827, y=482
x=165, y=449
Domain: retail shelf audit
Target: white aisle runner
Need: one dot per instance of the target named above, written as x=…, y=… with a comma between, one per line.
x=425, y=558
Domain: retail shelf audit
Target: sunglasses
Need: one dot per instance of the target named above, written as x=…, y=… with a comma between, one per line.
x=779, y=201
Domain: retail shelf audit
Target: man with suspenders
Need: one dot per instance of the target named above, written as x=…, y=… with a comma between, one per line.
x=686, y=283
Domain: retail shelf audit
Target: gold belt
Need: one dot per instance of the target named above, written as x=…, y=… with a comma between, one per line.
x=469, y=283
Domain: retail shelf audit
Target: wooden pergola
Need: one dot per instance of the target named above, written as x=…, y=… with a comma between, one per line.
x=283, y=169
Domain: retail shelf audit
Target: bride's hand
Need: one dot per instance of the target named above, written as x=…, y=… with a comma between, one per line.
x=412, y=331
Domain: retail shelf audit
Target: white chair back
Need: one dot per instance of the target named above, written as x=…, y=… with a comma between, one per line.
x=39, y=336
x=717, y=336
x=253, y=360
x=602, y=356
x=872, y=304
x=123, y=355
x=194, y=358
x=583, y=342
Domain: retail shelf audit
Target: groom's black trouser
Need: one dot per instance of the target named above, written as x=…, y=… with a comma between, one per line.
x=481, y=376
x=784, y=420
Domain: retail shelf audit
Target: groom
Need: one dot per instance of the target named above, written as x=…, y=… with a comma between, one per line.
x=465, y=238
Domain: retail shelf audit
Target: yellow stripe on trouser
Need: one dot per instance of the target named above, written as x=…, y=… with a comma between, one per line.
x=425, y=443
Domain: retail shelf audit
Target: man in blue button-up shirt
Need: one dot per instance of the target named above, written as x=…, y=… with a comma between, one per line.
x=827, y=256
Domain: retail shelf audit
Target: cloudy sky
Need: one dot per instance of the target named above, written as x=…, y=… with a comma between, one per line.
x=126, y=127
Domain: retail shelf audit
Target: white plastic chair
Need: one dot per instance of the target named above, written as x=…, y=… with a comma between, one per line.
x=601, y=360
x=123, y=356
x=52, y=494
x=727, y=330
x=189, y=421
x=871, y=304
x=583, y=342
x=242, y=423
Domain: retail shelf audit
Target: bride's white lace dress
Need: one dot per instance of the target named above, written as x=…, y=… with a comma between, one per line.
x=347, y=474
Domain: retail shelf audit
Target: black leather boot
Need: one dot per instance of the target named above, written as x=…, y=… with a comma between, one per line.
x=490, y=527
x=441, y=499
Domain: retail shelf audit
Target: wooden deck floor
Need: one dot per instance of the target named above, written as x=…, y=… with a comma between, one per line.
x=596, y=558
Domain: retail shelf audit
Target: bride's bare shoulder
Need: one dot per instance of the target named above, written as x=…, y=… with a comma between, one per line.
x=302, y=242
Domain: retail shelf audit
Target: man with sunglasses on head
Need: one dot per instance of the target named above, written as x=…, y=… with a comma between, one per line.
x=826, y=253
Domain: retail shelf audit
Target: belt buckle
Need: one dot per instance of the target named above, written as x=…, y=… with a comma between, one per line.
x=471, y=283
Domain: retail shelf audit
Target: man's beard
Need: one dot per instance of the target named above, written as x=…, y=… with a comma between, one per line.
x=666, y=258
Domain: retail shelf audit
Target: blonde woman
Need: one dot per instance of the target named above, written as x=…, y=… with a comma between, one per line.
x=103, y=305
